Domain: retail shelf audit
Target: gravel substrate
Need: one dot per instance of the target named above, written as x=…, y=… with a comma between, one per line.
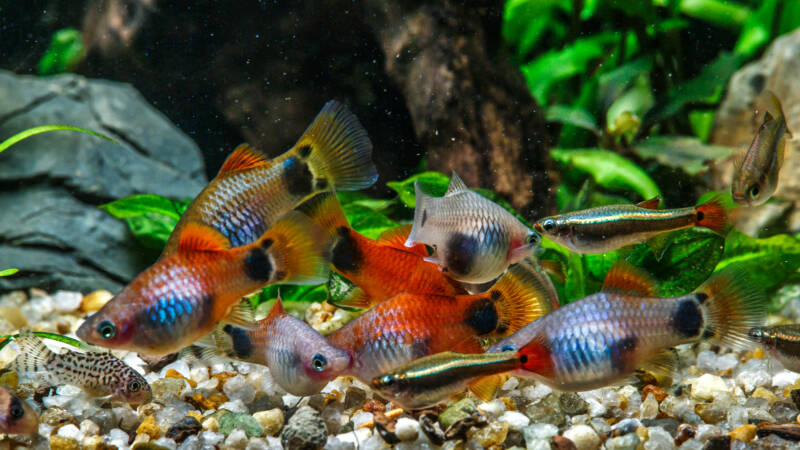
x=717, y=400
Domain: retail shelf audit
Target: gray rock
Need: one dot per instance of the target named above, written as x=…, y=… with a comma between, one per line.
x=53, y=182
x=304, y=431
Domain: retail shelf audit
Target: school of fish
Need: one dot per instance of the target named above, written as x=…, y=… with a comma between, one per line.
x=455, y=301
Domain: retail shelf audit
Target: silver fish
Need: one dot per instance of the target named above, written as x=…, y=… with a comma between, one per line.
x=782, y=342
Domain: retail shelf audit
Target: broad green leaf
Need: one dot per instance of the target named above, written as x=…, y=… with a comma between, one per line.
x=702, y=123
x=66, y=51
x=433, y=183
x=768, y=261
x=575, y=286
x=8, y=272
x=139, y=205
x=292, y=293
x=686, y=259
x=24, y=134
x=611, y=84
x=609, y=170
x=574, y=116
x=789, y=19
x=151, y=230
x=366, y=221
x=359, y=198
x=757, y=29
x=525, y=22
x=635, y=101
x=718, y=12
x=681, y=152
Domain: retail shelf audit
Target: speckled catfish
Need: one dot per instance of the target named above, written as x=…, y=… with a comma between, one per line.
x=183, y=296
x=603, y=338
x=780, y=341
x=16, y=416
x=251, y=192
x=474, y=240
x=100, y=374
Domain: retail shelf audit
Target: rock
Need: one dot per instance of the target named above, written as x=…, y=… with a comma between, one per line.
x=149, y=427
x=658, y=439
x=57, y=237
x=305, y=430
x=493, y=434
x=63, y=443
x=718, y=443
x=236, y=439
x=649, y=407
x=94, y=443
x=706, y=387
x=493, y=408
x=571, y=403
x=563, y=443
x=515, y=420
x=625, y=442
x=240, y=421
x=354, y=398
x=66, y=301
x=188, y=426
x=583, y=436
x=406, y=429
x=271, y=421
x=744, y=433
x=56, y=416
x=735, y=121
x=167, y=389
x=89, y=428
x=457, y=411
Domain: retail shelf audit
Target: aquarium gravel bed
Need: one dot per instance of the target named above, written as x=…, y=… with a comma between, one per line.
x=717, y=400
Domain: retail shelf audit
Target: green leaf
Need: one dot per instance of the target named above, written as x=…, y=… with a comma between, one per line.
x=717, y=12
x=8, y=272
x=681, y=152
x=790, y=17
x=609, y=170
x=151, y=218
x=575, y=286
x=635, y=101
x=7, y=338
x=686, y=260
x=45, y=128
x=525, y=22
x=757, y=29
x=66, y=51
x=572, y=115
x=702, y=123
x=359, y=198
x=293, y=293
x=768, y=261
x=366, y=221
x=433, y=183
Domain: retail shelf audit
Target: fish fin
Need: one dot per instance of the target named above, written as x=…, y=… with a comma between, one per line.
x=357, y=298
x=422, y=204
x=650, y=204
x=299, y=249
x=326, y=212
x=338, y=149
x=626, y=278
x=733, y=305
x=241, y=315
x=659, y=243
x=774, y=105
x=456, y=185
x=397, y=237
x=242, y=158
x=196, y=237
x=520, y=297
x=34, y=354
x=712, y=215
x=486, y=388
x=663, y=363
x=555, y=269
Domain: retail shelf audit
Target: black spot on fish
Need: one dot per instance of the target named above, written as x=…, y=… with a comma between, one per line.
x=279, y=275
x=482, y=316
x=346, y=256
x=424, y=217
x=320, y=184
x=257, y=265
x=687, y=319
x=242, y=344
x=701, y=297
x=523, y=359
x=460, y=250
x=298, y=177
x=266, y=244
x=700, y=216
x=496, y=295
x=620, y=352
x=304, y=151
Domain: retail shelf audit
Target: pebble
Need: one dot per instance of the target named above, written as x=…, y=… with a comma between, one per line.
x=406, y=429
x=493, y=434
x=94, y=443
x=240, y=421
x=457, y=411
x=625, y=442
x=95, y=300
x=707, y=386
x=186, y=427
x=658, y=439
x=236, y=439
x=211, y=424
x=572, y=403
x=493, y=408
x=58, y=442
x=65, y=301
x=271, y=421
x=515, y=420
x=744, y=433
x=149, y=427
x=211, y=438
x=304, y=430
x=649, y=407
x=583, y=436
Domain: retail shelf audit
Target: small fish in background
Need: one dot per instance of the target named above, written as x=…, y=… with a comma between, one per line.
x=380, y=268
x=474, y=240
x=755, y=176
x=781, y=342
x=410, y=326
x=603, y=338
x=251, y=192
x=606, y=228
x=16, y=416
x=182, y=297
x=300, y=359
x=99, y=374
x=427, y=381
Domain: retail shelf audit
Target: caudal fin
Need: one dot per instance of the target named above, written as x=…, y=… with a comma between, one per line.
x=338, y=150
x=712, y=215
x=733, y=306
x=299, y=249
x=34, y=355
x=520, y=297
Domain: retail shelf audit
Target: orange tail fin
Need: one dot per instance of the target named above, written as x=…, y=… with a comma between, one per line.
x=299, y=249
x=712, y=215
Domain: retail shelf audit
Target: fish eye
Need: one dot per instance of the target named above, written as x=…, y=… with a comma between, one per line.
x=387, y=380
x=319, y=362
x=549, y=225
x=508, y=348
x=533, y=238
x=106, y=329
x=16, y=411
x=753, y=190
x=134, y=386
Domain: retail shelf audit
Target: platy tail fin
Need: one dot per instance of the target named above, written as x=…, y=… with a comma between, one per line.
x=299, y=249
x=712, y=215
x=520, y=297
x=326, y=212
x=423, y=202
x=338, y=150
x=733, y=305
x=34, y=354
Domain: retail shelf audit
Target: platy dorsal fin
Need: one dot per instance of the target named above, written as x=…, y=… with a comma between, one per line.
x=486, y=388
x=650, y=204
x=625, y=278
x=200, y=238
x=397, y=237
x=277, y=308
x=456, y=185
x=243, y=158
x=241, y=315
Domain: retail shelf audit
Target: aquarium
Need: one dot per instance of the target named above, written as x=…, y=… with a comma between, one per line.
x=530, y=224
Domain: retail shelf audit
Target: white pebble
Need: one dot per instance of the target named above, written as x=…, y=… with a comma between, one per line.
x=354, y=437
x=257, y=444
x=649, y=408
x=510, y=384
x=374, y=442
x=361, y=418
x=406, y=429
x=784, y=378
x=199, y=374
x=539, y=431
x=89, y=428
x=515, y=420
x=70, y=431
x=658, y=439
x=211, y=437
x=235, y=406
x=493, y=408
x=179, y=366
x=118, y=438
x=537, y=391
x=583, y=436
x=208, y=385
x=706, y=387
x=237, y=439
x=65, y=301
x=166, y=442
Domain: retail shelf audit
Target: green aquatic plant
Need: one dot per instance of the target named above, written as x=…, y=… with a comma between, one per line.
x=7, y=338
x=25, y=134
x=65, y=52
x=8, y=272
